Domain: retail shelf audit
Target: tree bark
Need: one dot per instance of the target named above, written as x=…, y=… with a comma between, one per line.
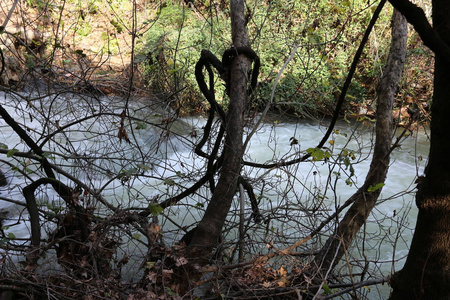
x=426, y=273
x=364, y=200
x=209, y=229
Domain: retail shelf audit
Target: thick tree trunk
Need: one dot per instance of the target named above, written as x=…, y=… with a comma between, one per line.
x=209, y=229
x=426, y=273
x=364, y=201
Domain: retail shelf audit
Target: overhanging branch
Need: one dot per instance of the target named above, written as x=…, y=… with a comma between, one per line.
x=416, y=17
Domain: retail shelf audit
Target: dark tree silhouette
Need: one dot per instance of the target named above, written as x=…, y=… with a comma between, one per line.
x=426, y=274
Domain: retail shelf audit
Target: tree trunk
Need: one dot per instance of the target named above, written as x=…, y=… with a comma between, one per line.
x=426, y=273
x=209, y=229
x=365, y=200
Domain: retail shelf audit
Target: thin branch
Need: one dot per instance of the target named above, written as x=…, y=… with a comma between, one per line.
x=8, y=17
x=340, y=101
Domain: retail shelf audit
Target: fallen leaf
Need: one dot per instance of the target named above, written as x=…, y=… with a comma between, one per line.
x=281, y=283
x=167, y=273
x=181, y=261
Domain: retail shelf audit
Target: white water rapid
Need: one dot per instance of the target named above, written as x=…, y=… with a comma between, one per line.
x=159, y=163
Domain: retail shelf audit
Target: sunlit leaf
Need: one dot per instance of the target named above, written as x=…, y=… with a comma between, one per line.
x=149, y=264
x=372, y=188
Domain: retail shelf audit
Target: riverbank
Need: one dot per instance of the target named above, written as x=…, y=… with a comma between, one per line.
x=89, y=48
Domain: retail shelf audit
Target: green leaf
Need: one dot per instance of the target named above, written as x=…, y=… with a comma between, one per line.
x=3, y=146
x=169, y=182
x=136, y=236
x=172, y=71
x=327, y=289
x=117, y=26
x=48, y=155
x=11, y=152
x=155, y=209
x=149, y=264
x=127, y=173
x=11, y=235
x=372, y=188
x=318, y=154
x=144, y=167
x=141, y=125
x=345, y=119
x=170, y=292
x=181, y=174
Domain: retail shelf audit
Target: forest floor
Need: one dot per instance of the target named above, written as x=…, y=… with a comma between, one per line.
x=94, y=53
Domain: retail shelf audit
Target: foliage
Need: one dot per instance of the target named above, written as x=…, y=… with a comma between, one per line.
x=310, y=83
x=172, y=47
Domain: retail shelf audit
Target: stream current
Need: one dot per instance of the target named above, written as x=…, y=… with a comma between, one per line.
x=162, y=156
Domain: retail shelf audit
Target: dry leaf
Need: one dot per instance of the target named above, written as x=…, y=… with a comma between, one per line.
x=154, y=228
x=153, y=232
x=152, y=277
x=150, y=295
x=122, y=134
x=167, y=273
x=130, y=297
x=181, y=261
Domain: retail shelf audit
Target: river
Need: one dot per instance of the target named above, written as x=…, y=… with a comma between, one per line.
x=80, y=135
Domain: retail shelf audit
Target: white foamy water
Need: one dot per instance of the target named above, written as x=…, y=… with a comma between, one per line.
x=159, y=163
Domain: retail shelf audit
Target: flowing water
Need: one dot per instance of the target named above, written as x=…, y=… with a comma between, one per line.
x=166, y=163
